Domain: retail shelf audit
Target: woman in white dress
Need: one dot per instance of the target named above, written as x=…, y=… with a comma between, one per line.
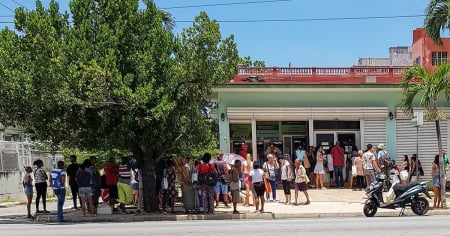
x=319, y=170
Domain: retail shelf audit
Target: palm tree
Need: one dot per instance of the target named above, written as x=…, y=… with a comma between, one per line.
x=418, y=82
x=167, y=17
x=437, y=19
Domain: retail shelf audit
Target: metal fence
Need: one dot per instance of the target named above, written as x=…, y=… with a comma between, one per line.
x=15, y=155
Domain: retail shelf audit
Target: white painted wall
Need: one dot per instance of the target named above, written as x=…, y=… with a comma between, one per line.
x=11, y=186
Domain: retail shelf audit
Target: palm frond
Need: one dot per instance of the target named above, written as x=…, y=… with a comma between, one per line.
x=437, y=18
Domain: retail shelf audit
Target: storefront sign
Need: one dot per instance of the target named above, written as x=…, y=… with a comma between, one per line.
x=267, y=131
x=293, y=127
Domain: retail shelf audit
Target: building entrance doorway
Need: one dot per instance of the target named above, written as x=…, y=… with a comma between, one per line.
x=291, y=143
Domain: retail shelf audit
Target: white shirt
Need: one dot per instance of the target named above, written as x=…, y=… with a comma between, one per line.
x=330, y=162
x=256, y=175
x=368, y=157
x=284, y=170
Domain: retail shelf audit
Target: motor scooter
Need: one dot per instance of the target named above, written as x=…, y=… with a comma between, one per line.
x=406, y=195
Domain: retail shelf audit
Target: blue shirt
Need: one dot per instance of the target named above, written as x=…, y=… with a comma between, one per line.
x=56, y=176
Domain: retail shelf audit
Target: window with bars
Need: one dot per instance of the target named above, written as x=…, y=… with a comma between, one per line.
x=438, y=58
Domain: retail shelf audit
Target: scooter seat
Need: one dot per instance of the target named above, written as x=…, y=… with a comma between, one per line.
x=404, y=187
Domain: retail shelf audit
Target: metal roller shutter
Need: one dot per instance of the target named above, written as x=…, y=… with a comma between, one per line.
x=406, y=142
x=374, y=132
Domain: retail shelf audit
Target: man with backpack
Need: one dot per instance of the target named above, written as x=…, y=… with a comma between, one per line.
x=207, y=178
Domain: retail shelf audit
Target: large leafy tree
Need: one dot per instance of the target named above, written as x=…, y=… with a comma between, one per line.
x=437, y=19
x=420, y=84
x=115, y=77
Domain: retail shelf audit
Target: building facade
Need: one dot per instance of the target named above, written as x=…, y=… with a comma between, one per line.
x=296, y=107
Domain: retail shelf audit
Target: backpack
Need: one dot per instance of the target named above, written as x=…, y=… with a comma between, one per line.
x=209, y=178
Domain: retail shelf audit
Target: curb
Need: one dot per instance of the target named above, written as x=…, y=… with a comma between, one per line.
x=219, y=216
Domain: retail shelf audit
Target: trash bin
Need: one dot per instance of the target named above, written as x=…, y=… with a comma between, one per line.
x=190, y=198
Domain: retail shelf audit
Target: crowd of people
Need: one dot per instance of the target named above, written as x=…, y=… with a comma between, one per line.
x=243, y=180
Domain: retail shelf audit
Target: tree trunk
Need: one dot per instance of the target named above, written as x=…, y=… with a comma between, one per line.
x=441, y=165
x=146, y=163
x=149, y=185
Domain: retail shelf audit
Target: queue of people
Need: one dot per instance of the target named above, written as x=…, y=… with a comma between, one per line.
x=218, y=181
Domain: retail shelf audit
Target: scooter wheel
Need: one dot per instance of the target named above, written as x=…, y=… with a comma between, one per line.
x=420, y=206
x=370, y=208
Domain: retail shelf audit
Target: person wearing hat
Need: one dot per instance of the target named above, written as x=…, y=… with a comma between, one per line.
x=383, y=158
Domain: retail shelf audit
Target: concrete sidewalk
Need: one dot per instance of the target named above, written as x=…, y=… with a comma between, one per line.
x=324, y=203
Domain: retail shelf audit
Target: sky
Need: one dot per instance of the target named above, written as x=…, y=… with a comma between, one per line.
x=309, y=33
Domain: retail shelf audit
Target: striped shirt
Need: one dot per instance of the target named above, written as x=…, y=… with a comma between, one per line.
x=124, y=174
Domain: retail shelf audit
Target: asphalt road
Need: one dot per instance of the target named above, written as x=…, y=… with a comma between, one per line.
x=379, y=226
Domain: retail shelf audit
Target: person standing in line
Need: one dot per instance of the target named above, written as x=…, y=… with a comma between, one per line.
x=71, y=173
x=168, y=191
x=359, y=170
x=40, y=182
x=370, y=165
x=256, y=176
x=221, y=184
x=206, y=190
x=125, y=192
x=319, y=169
x=95, y=182
x=330, y=168
x=312, y=161
x=286, y=178
x=111, y=174
x=435, y=173
x=235, y=185
x=337, y=152
x=27, y=183
x=404, y=169
x=58, y=182
x=301, y=181
x=270, y=167
x=413, y=169
x=248, y=184
x=135, y=186
x=83, y=177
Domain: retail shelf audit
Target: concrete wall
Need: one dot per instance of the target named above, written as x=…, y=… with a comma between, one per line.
x=10, y=185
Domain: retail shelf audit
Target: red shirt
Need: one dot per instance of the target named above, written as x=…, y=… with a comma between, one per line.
x=203, y=168
x=111, y=172
x=338, y=156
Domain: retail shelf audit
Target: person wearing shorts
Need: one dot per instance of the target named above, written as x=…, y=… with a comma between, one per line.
x=83, y=179
x=256, y=176
x=235, y=185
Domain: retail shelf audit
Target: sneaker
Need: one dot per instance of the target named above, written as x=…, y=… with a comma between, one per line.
x=45, y=211
x=323, y=188
x=235, y=212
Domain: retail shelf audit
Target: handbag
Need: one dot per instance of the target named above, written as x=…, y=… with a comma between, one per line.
x=306, y=163
x=267, y=185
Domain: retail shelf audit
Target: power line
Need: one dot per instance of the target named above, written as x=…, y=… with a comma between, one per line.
x=228, y=4
x=313, y=19
x=20, y=4
x=300, y=20
x=6, y=7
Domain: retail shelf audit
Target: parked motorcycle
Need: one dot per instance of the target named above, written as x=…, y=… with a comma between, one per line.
x=406, y=195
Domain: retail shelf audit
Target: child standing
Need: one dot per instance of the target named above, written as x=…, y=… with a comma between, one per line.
x=301, y=180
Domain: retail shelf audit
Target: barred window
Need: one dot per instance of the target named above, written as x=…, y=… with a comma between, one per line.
x=438, y=58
